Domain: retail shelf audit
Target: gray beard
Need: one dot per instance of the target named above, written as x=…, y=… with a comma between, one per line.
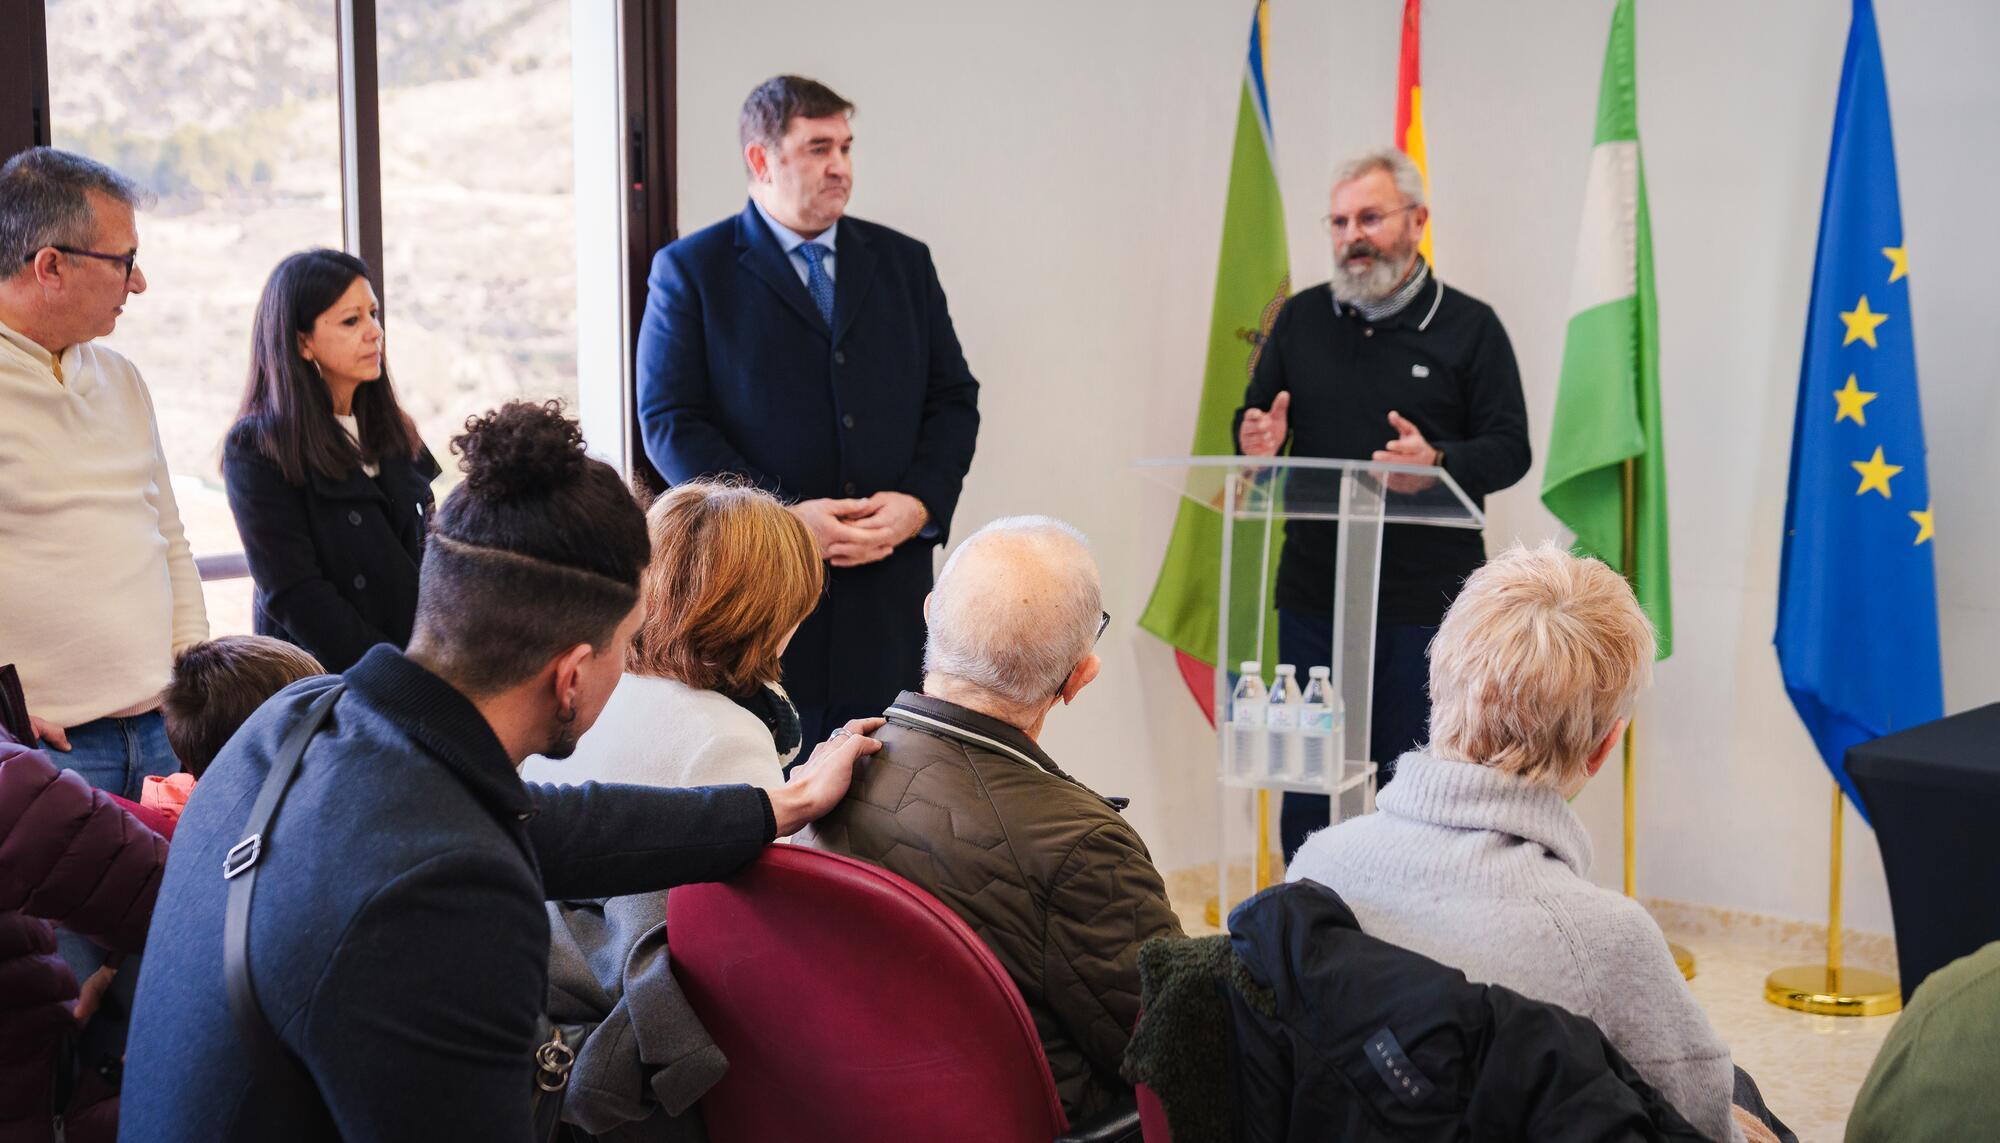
x=1372, y=285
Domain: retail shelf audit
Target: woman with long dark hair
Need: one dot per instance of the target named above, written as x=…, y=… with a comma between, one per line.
x=328, y=480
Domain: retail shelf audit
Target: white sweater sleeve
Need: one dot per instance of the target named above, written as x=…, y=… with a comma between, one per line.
x=190, y=608
x=730, y=759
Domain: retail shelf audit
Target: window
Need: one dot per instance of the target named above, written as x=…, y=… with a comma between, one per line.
x=478, y=207
x=230, y=118
x=495, y=283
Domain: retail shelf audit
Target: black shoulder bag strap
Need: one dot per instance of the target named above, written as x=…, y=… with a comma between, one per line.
x=284, y=1081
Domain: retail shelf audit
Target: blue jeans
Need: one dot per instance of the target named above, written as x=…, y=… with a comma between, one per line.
x=117, y=754
x=1400, y=717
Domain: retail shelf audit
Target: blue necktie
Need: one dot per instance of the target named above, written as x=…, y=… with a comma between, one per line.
x=817, y=280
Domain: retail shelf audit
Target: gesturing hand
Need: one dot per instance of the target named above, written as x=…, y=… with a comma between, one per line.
x=1262, y=433
x=818, y=783
x=1409, y=447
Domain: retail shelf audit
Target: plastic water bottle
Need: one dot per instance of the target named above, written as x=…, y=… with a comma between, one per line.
x=1281, y=724
x=1316, y=725
x=1246, y=721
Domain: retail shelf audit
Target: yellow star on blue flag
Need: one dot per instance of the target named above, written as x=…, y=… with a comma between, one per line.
x=1857, y=631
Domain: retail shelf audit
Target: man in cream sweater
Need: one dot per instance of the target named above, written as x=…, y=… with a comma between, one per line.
x=1475, y=858
x=97, y=586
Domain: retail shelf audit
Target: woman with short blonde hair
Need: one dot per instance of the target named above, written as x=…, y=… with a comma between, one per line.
x=1475, y=858
x=1537, y=663
x=732, y=575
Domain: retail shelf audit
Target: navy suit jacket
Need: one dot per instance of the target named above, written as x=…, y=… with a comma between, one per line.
x=739, y=374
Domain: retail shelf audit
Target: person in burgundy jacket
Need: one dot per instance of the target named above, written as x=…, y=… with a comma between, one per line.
x=75, y=856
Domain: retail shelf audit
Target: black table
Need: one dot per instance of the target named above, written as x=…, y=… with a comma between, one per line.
x=1933, y=796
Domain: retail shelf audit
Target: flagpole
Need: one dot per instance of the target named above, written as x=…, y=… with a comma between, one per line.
x=1832, y=989
x=1683, y=957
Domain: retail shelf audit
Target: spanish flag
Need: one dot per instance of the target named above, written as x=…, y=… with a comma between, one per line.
x=1410, y=107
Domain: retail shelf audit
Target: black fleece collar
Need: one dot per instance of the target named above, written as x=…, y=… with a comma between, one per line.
x=444, y=722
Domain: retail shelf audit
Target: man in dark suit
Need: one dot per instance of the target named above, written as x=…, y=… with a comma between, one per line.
x=813, y=354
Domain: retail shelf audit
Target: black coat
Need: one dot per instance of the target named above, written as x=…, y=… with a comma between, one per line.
x=335, y=561
x=1371, y=1041
x=739, y=374
x=398, y=944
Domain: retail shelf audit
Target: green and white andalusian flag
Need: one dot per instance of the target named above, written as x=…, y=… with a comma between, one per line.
x=1608, y=403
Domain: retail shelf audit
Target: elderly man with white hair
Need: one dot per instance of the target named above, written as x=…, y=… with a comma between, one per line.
x=1383, y=362
x=963, y=801
x=1475, y=858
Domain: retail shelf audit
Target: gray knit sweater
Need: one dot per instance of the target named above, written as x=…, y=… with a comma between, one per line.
x=1485, y=872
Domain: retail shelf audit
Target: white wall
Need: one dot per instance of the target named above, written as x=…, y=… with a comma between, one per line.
x=1067, y=164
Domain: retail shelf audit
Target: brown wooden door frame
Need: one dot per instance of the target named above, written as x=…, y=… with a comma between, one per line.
x=653, y=196
x=360, y=137
x=24, y=77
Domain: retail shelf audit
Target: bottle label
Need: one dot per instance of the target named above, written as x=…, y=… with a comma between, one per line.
x=1316, y=720
x=1247, y=715
x=1284, y=717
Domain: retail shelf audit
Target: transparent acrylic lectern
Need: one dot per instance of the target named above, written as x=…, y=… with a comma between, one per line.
x=1250, y=498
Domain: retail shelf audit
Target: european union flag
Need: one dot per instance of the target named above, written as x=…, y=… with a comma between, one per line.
x=1857, y=599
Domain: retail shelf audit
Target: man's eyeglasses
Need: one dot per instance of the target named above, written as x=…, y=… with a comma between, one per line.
x=1369, y=221
x=128, y=261
x=1103, y=621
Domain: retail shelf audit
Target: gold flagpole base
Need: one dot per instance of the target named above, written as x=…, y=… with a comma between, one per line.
x=1212, y=911
x=1683, y=959
x=1824, y=991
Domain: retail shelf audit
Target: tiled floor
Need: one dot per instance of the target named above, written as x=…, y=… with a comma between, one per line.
x=1809, y=1067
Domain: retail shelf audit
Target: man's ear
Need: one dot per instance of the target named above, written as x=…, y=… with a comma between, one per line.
x=1081, y=677
x=1421, y=215
x=566, y=675
x=47, y=267
x=758, y=160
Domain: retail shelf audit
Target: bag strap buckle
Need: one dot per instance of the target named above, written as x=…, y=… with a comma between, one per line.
x=242, y=855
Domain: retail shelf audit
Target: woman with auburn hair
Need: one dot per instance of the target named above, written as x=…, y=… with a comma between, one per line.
x=732, y=576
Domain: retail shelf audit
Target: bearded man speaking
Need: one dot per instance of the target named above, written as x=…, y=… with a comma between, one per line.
x=1383, y=362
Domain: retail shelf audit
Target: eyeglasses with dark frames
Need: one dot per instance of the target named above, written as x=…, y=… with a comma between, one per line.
x=1103, y=621
x=1368, y=221
x=129, y=261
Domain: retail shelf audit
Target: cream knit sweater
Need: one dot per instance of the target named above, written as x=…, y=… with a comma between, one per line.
x=660, y=732
x=97, y=586
x=1485, y=872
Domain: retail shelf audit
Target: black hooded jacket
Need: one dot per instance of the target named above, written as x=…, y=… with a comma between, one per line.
x=1366, y=1040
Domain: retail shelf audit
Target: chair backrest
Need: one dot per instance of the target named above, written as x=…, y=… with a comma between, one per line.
x=852, y=1005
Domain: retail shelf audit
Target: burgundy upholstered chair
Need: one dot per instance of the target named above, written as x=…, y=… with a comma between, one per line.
x=852, y=1005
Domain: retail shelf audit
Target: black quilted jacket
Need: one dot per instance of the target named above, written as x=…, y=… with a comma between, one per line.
x=1048, y=873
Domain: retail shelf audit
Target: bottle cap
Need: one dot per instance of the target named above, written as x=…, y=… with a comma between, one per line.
x=1320, y=673
x=1287, y=669
x=1251, y=667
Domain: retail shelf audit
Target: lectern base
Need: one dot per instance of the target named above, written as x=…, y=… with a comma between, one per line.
x=1824, y=991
